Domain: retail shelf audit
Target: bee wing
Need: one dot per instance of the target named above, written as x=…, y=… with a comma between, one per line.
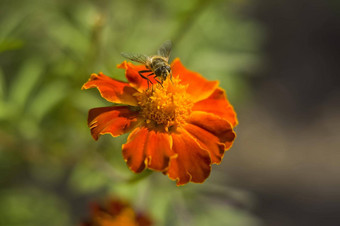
x=165, y=49
x=140, y=58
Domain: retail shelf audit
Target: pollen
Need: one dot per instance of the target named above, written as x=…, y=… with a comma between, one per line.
x=165, y=107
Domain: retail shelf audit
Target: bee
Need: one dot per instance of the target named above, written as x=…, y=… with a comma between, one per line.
x=157, y=65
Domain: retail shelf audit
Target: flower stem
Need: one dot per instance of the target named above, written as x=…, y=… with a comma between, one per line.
x=139, y=176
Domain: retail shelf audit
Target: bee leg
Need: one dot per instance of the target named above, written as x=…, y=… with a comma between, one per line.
x=171, y=77
x=150, y=80
x=147, y=79
x=157, y=80
x=150, y=74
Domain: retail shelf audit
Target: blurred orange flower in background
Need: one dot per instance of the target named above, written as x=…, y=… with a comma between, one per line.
x=179, y=128
x=116, y=213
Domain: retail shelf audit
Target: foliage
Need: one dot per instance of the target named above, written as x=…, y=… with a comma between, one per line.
x=50, y=166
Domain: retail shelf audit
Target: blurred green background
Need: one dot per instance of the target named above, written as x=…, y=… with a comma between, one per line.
x=277, y=60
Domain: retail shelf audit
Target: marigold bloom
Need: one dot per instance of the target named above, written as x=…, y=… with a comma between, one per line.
x=116, y=213
x=179, y=128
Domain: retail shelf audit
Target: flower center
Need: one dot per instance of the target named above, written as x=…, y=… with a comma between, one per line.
x=165, y=107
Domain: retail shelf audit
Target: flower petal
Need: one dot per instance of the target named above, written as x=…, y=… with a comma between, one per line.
x=112, y=90
x=208, y=141
x=148, y=148
x=192, y=163
x=214, y=125
x=131, y=73
x=218, y=104
x=134, y=149
x=158, y=150
x=199, y=87
x=113, y=120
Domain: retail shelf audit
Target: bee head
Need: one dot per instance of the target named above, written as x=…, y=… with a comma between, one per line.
x=163, y=71
x=167, y=68
x=166, y=71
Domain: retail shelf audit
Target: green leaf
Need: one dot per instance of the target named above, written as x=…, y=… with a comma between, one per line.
x=25, y=81
x=85, y=178
x=30, y=206
x=10, y=44
x=3, y=105
x=218, y=214
x=47, y=98
x=2, y=86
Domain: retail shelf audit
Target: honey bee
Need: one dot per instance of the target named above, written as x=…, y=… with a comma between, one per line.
x=157, y=65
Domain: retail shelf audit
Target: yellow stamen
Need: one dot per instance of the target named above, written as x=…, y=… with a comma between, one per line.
x=165, y=107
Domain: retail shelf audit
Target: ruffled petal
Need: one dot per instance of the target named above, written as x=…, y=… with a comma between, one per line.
x=214, y=125
x=158, y=150
x=192, y=162
x=208, y=141
x=112, y=90
x=135, y=80
x=218, y=104
x=148, y=148
x=198, y=87
x=113, y=120
x=134, y=149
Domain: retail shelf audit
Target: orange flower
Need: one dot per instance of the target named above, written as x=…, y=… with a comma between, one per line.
x=179, y=128
x=116, y=213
